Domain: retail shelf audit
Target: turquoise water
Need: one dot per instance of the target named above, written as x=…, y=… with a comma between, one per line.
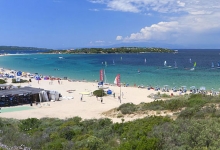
x=152, y=72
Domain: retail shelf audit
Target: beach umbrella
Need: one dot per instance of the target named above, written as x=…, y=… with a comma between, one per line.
x=19, y=73
x=192, y=87
x=202, y=88
x=37, y=77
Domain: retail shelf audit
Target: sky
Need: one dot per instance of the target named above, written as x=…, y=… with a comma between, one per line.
x=110, y=23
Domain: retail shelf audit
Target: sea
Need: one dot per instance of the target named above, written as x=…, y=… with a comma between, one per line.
x=145, y=69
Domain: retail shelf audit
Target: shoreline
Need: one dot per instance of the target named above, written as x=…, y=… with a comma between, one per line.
x=89, y=108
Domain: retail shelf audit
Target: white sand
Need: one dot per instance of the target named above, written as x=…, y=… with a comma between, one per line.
x=89, y=108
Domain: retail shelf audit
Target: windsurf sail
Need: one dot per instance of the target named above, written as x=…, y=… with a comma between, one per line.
x=117, y=80
x=194, y=64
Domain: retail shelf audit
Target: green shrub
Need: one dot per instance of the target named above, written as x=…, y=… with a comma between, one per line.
x=21, y=81
x=127, y=108
x=99, y=93
x=2, y=81
x=29, y=124
x=54, y=145
x=155, y=105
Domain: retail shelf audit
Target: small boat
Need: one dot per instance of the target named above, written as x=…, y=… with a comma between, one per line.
x=60, y=57
x=145, y=60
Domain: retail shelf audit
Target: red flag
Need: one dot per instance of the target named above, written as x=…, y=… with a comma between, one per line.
x=117, y=80
x=101, y=75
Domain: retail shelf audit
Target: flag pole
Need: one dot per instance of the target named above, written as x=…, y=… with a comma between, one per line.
x=120, y=92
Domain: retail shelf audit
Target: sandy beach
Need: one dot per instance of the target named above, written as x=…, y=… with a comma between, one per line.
x=89, y=108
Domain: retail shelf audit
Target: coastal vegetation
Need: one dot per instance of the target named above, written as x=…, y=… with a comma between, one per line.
x=111, y=50
x=2, y=81
x=99, y=93
x=21, y=81
x=196, y=126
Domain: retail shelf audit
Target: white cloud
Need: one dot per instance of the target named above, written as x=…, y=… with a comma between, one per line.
x=181, y=4
x=119, y=38
x=125, y=6
x=99, y=41
x=162, y=6
x=158, y=31
x=182, y=18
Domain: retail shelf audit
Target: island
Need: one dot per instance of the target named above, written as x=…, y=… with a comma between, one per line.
x=111, y=50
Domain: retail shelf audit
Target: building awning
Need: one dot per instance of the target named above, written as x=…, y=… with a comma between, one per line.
x=17, y=91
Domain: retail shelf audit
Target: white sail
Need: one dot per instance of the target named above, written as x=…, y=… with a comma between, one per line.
x=165, y=63
x=115, y=81
x=213, y=65
x=105, y=78
x=175, y=65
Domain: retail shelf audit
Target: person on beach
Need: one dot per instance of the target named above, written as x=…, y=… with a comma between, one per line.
x=81, y=98
x=97, y=98
x=58, y=81
x=114, y=95
x=101, y=100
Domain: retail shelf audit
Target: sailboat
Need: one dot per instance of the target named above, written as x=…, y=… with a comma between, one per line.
x=190, y=60
x=175, y=65
x=194, y=66
x=145, y=60
x=103, y=80
x=165, y=64
x=117, y=82
x=213, y=67
x=218, y=65
x=113, y=62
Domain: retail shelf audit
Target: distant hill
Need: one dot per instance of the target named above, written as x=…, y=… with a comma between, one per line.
x=21, y=48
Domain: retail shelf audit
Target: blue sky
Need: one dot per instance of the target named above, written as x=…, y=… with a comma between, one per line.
x=110, y=23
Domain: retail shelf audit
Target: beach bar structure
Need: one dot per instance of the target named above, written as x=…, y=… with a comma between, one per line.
x=19, y=96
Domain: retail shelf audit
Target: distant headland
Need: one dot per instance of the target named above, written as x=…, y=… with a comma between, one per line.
x=92, y=50
x=111, y=50
x=21, y=48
